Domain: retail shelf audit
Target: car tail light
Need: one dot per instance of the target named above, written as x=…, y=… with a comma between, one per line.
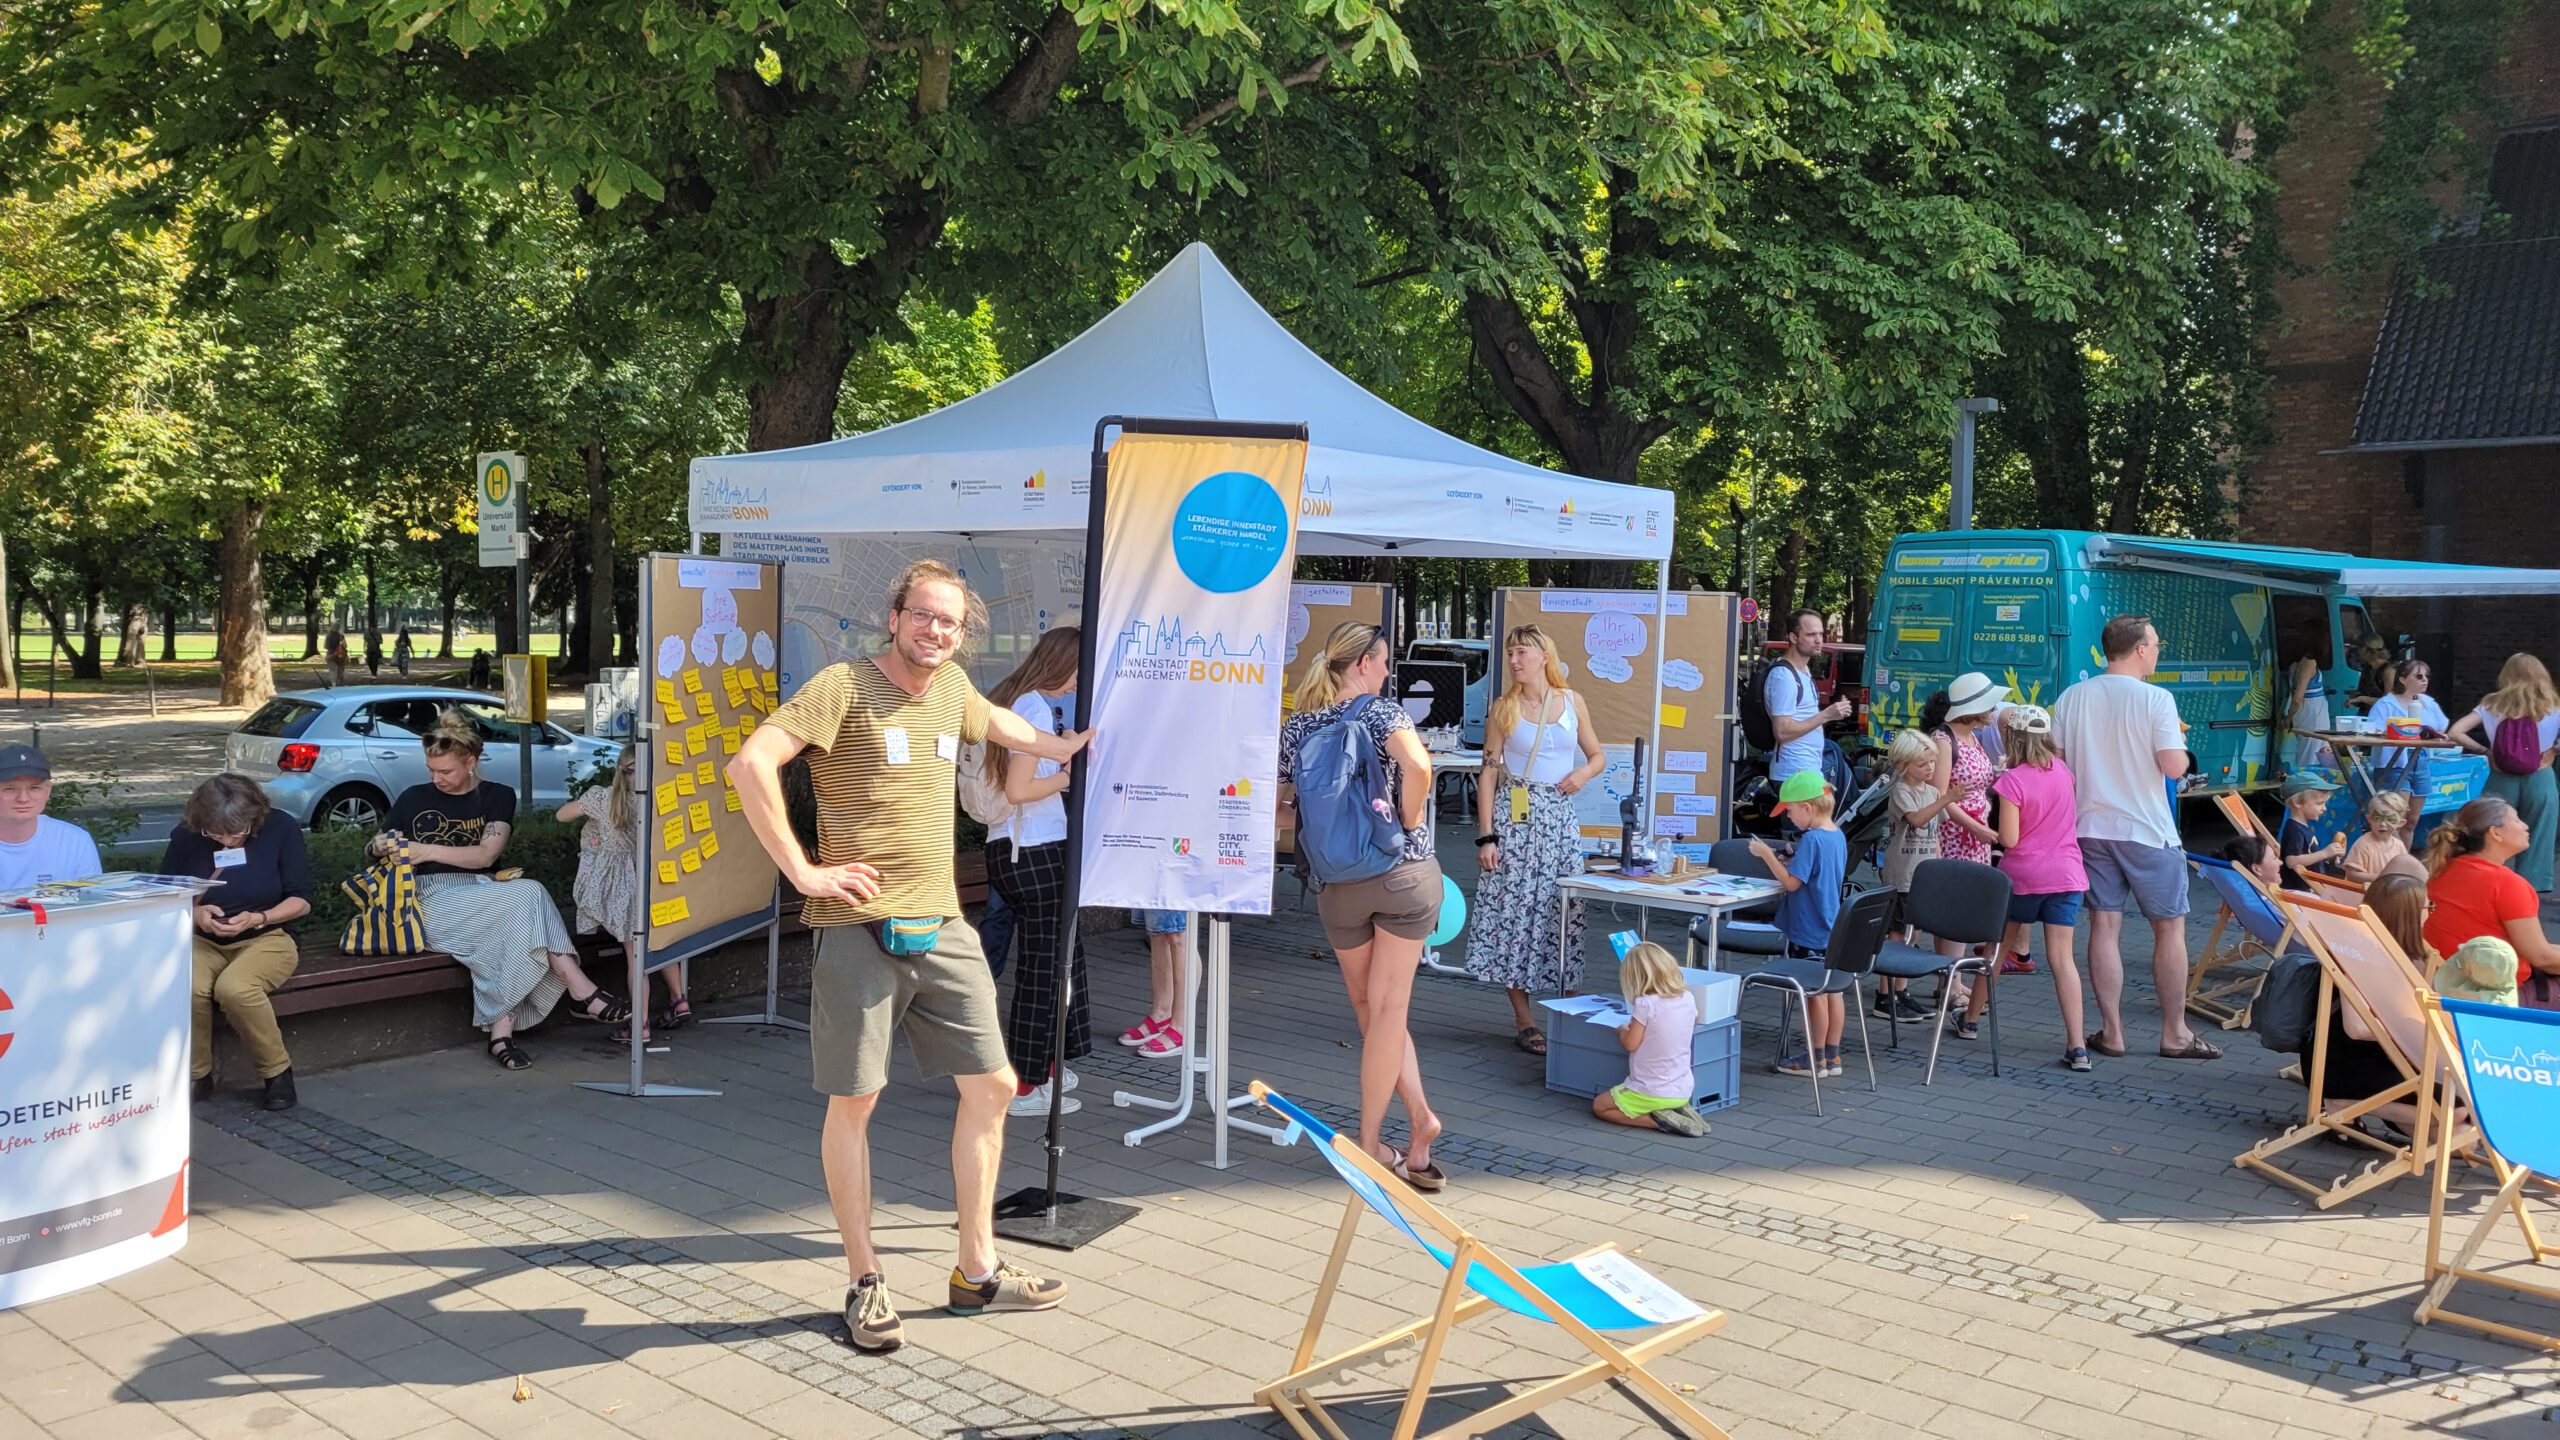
x=298, y=758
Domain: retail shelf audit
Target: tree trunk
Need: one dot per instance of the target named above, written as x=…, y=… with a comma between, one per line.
x=1853, y=621
x=8, y=623
x=240, y=641
x=800, y=344
x=1782, y=592
x=85, y=663
x=133, y=637
x=2124, y=514
x=169, y=633
x=372, y=608
x=311, y=611
x=448, y=593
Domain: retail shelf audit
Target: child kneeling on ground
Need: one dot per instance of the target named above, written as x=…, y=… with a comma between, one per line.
x=1813, y=879
x=1657, y=1038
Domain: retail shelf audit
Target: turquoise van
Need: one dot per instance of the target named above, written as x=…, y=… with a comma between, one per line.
x=2025, y=607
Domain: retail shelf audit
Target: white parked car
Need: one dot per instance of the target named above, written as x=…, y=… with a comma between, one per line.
x=338, y=756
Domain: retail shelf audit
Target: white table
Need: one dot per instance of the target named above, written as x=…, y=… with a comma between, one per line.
x=1706, y=894
x=93, y=1093
x=1469, y=763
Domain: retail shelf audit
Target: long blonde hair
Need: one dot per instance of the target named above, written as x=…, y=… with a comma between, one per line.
x=1650, y=970
x=1506, y=706
x=1047, y=669
x=2524, y=690
x=1348, y=645
x=2027, y=747
x=618, y=810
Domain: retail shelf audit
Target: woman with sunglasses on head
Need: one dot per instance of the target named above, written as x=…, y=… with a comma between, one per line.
x=2407, y=769
x=1377, y=925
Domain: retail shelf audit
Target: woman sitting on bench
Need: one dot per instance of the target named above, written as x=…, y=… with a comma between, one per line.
x=506, y=931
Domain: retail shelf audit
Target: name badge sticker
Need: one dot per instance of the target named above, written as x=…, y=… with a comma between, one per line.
x=947, y=746
x=231, y=859
x=893, y=741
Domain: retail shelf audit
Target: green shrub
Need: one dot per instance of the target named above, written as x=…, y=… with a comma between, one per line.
x=544, y=848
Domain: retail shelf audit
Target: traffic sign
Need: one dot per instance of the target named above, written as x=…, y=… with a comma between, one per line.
x=498, y=487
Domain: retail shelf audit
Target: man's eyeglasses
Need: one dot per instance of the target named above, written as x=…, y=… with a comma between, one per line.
x=933, y=621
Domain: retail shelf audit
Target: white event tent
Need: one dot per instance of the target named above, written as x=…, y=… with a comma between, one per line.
x=1012, y=462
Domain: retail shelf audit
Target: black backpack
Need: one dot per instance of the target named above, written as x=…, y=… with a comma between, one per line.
x=1754, y=704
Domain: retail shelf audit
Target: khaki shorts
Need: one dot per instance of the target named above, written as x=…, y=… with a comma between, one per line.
x=1404, y=902
x=859, y=993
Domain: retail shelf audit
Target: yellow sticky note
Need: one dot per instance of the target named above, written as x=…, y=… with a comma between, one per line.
x=691, y=860
x=695, y=741
x=675, y=713
x=692, y=680
x=1675, y=716
x=772, y=683
x=747, y=724
x=668, y=912
x=733, y=802
x=674, y=831
x=666, y=872
x=699, y=812
x=710, y=845
x=666, y=690
x=666, y=798
x=706, y=706
x=675, y=752
x=706, y=774
x=684, y=783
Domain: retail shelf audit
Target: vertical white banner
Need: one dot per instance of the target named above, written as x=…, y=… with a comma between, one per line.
x=1190, y=624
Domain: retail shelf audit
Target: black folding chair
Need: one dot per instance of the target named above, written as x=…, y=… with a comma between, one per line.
x=1856, y=934
x=1748, y=930
x=1963, y=901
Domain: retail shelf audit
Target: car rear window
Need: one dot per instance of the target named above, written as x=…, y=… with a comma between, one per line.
x=281, y=719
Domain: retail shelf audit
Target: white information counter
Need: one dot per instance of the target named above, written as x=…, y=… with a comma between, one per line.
x=93, y=1081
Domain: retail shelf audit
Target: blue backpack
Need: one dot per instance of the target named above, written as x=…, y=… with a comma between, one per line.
x=1342, y=837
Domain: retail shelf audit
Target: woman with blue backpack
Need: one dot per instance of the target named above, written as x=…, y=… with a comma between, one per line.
x=1357, y=781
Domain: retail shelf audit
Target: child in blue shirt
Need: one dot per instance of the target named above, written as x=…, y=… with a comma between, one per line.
x=1813, y=880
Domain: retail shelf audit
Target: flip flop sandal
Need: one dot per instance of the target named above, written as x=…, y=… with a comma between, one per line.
x=1530, y=1040
x=508, y=1055
x=2098, y=1042
x=1428, y=1180
x=2198, y=1048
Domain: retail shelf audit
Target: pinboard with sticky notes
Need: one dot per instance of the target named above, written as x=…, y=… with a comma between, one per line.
x=709, y=628
x=1613, y=656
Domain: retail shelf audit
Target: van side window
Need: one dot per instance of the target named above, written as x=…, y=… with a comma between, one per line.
x=2009, y=629
x=1922, y=623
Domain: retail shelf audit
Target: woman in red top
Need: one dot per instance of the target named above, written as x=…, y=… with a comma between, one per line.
x=2474, y=894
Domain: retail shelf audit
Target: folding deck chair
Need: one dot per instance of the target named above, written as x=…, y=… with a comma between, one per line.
x=1600, y=1290
x=2223, y=985
x=2361, y=966
x=2245, y=820
x=2507, y=1062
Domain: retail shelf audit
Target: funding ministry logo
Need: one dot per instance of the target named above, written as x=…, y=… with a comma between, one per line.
x=5, y=1035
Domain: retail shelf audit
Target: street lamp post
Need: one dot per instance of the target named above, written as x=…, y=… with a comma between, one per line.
x=1960, y=498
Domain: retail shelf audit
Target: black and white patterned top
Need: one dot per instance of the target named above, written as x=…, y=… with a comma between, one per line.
x=1381, y=720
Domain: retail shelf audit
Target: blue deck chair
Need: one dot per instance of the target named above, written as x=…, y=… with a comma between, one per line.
x=1590, y=1294
x=2508, y=1061
x=2223, y=985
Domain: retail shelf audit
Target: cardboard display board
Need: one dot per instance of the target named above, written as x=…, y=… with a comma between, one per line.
x=1607, y=641
x=1315, y=607
x=709, y=628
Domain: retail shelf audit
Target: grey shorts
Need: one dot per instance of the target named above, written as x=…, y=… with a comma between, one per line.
x=859, y=994
x=1404, y=902
x=2153, y=877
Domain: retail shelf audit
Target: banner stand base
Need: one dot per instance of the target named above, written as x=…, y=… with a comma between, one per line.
x=652, y=1091
x=772, y=990
x=1078, y=1221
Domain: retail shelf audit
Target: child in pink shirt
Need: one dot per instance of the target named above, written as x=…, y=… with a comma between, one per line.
x=1658, y=1036
x=2039, y=837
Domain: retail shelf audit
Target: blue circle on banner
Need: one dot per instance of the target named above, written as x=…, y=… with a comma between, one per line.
x=1453, y=913
x=1228, y=533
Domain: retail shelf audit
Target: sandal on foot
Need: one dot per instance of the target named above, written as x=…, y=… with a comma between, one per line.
x=508, y=1055
x=2196, y=1048
x=2075, y=1058
x=622, y=1035
x=676, y=1016
x=602, y=1006
x=1530, y=1040
x=2098, y=1042
x=1429, y=1180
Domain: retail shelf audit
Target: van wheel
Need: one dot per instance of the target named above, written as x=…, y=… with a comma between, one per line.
x=350, y=807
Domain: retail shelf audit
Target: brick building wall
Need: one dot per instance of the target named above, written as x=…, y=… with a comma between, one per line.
x=2500, y=507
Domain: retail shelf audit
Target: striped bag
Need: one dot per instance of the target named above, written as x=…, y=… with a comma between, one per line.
x=388, y=920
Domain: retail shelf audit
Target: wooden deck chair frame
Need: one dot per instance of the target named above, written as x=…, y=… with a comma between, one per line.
x=2246, y=821
x=2223, y=986
x=2400, y=990
x=2443, y=1274
x=1293, y=1396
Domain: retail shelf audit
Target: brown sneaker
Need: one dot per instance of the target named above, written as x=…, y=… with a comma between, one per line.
x=1007, y=1289
x=870, y=1321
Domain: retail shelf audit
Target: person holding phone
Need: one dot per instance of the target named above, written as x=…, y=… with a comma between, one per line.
x=244, y=951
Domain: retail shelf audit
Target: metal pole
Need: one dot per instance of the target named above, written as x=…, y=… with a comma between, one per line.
x=1960, y=496
x=524, y=633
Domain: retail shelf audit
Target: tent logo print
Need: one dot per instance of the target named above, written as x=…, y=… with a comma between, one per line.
x=1039, y=481
x=1317, y=499
x=1238, y=790
x=1182, y=845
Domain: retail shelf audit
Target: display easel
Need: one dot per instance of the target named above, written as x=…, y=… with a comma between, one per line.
x=1209, y=939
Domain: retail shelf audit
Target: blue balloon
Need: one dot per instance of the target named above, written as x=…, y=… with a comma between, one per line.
x=1453, y=913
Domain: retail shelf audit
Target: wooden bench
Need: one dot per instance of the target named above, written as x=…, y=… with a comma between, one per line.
x=330, y=978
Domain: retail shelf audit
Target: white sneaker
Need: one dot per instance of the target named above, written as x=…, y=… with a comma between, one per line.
x=1072, y=1081
x=1036, y=1104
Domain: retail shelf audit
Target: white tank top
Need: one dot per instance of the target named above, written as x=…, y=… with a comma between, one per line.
x=1558, y=753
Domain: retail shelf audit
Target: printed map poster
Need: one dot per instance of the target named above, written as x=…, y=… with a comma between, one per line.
x=1190, y=620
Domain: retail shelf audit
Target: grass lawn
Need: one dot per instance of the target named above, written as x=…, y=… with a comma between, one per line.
x=195, y=666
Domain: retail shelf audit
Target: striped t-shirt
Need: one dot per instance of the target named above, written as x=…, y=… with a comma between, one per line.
x=884, y=764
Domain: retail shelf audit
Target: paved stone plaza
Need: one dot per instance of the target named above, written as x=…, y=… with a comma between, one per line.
x=431, y=1248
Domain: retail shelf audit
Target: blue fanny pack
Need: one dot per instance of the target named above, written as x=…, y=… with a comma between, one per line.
x=910, y=937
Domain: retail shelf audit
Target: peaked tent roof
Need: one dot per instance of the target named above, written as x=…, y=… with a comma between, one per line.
x=1014, y=460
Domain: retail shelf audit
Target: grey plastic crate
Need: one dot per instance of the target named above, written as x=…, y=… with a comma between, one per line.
x=1584, y=1059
